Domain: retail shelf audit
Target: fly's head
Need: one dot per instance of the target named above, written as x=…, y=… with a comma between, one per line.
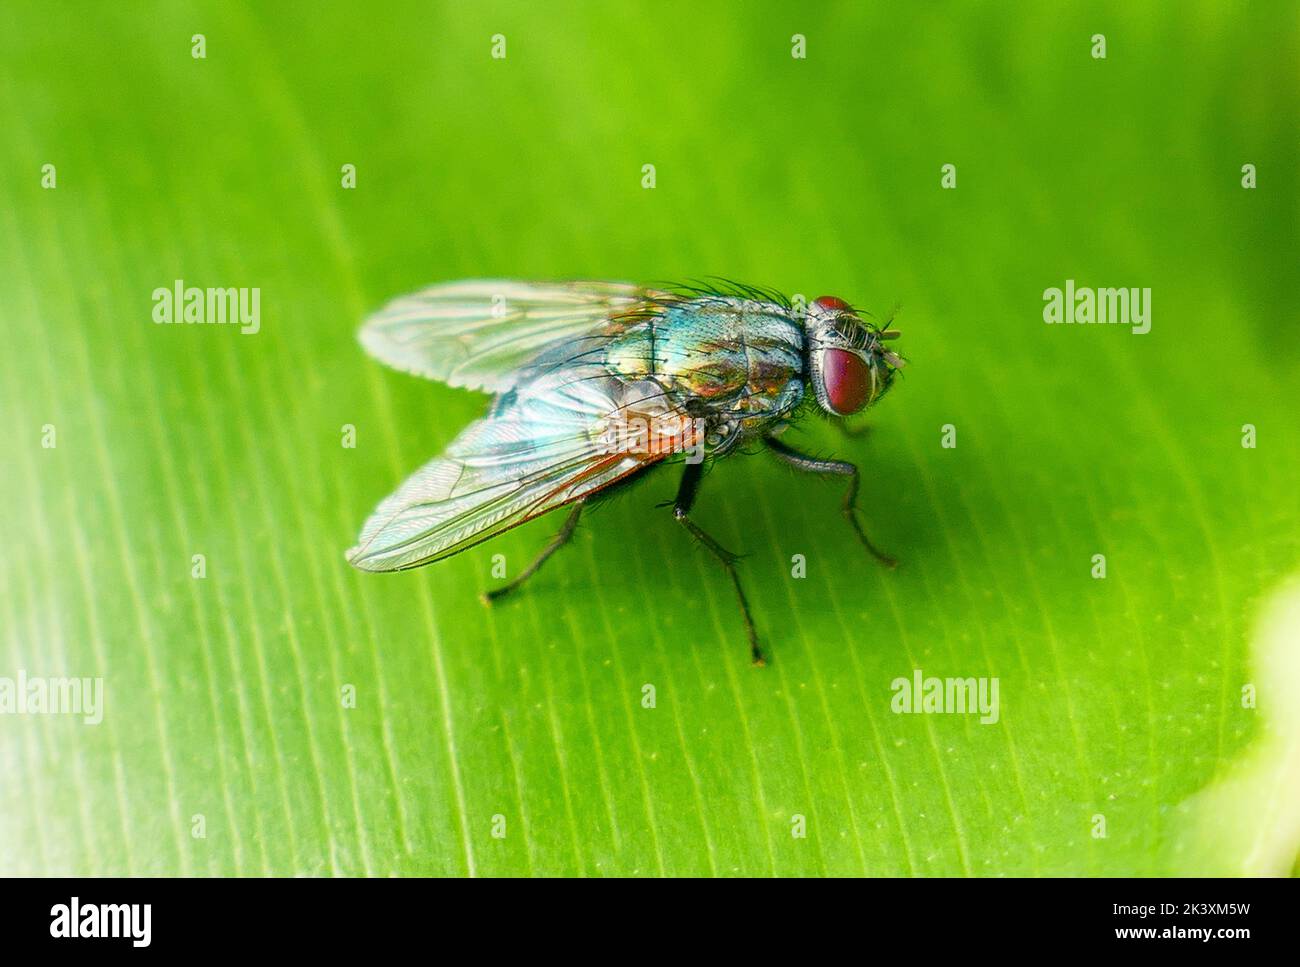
x=847, y=362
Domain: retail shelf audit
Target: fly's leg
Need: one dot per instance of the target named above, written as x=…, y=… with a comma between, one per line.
x=681, y=511
x=842, y=468
x=558, y=541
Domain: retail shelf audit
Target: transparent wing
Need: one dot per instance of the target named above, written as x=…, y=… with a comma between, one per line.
x=478, y=334
x=564, y=433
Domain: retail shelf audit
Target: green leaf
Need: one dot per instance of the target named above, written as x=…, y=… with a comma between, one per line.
x=1122, y=701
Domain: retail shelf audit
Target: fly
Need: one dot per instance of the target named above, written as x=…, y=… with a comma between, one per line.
x=594, y=382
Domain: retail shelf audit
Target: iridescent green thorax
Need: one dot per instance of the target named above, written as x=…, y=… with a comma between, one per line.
x=739, y=361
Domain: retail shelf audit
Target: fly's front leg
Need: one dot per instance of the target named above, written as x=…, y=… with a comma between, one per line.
x=558, y=541
x=681, y=511
x=843, y=468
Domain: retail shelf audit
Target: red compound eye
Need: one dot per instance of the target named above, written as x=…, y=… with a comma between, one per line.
x=831, y=302
x=846, y=380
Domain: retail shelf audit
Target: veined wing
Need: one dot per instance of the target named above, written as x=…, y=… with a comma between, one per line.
x=478, y=334
x=565, y=432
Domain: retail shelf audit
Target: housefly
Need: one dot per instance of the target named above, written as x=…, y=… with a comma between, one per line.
x=593, y=382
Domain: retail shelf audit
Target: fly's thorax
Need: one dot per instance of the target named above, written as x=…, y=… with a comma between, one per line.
x=631, y=354
x=726, y=355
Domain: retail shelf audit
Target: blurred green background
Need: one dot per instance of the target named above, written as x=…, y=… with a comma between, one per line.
x=1120, y=697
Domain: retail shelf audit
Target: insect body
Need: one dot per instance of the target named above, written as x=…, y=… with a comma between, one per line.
x=594, y=382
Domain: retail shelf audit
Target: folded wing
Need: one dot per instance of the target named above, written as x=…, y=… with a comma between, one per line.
x=566, y=431
x=478, y=334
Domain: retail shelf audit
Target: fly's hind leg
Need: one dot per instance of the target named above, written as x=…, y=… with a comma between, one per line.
x=843, y=468
x=558, y=541
x=681, y=512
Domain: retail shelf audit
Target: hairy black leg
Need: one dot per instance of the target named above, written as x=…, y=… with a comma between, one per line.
x=842, y=468
x=681, y=511
x=558, y=541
